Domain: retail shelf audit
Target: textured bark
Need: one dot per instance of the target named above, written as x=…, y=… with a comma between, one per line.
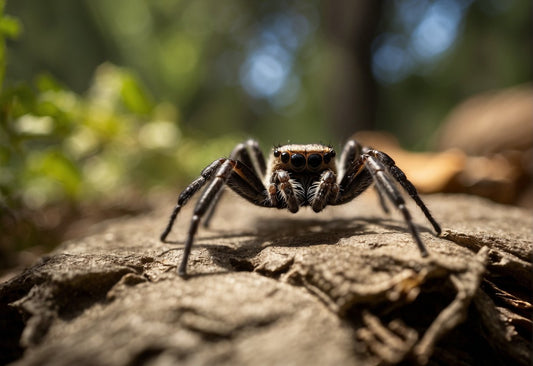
x=343, y=287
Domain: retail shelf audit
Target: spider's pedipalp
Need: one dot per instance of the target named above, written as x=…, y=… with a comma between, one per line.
x=325, y=191
x=287, y=189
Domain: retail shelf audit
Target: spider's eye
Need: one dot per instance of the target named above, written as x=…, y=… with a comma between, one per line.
x=276, y=153
x=298, y=160
x=328, y=156
x=285, y=157
x=314, y=160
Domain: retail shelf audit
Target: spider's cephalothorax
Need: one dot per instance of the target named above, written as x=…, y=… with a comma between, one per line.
x=298, y=175
x=302, y=170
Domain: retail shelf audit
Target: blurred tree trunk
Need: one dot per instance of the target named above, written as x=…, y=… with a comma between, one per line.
x=351, y=27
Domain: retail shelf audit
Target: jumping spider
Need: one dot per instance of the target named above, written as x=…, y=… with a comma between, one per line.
x=298, y=175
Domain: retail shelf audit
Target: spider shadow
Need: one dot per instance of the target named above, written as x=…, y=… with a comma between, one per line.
x=294, y=232
x=309, y=231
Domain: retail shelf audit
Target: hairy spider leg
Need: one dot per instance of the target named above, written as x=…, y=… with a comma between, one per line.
x=189, y=191
x=399, y=175
x=379, y=172
x=355, y=179
x=249, y=154
x=241, y=179
x=253, y=157
x=382, y=201
x=222, y=174
x=238, y=176
x=351, y=152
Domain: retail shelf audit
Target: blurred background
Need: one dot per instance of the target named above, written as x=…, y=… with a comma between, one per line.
x=107, y=104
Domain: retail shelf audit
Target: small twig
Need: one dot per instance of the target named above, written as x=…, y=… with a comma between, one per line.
x=392, y=344
x=456, y=312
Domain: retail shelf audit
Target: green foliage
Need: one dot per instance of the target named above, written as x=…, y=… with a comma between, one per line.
x=57, y=145
x=110, y=130
x=192, y=53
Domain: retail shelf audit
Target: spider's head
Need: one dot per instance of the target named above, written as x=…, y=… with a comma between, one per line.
x=300, y=158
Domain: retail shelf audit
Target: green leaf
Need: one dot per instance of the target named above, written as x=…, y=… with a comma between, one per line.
x=134, y=96
x=10, y=27
x=54, y=165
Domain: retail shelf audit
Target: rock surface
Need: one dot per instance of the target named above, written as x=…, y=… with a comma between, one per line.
x=266, y=287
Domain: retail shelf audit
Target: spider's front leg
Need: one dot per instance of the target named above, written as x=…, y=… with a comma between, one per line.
x=249, y=154
x=222, y=169
x=222, y=175
x=351, y=155
x=400, y=177
x=381, y=167
x=188, y=192
x=238, y=176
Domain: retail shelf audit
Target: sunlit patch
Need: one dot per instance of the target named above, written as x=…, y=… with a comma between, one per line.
x=82, y=142
x=35, y=125
x=102, y=175
x=159, y=134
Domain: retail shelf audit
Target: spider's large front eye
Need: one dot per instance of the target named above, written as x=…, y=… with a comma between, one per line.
x=314, y=160
x=298, y=160
x=285, y=157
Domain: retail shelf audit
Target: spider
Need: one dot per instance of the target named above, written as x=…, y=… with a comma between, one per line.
x=298, y=175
